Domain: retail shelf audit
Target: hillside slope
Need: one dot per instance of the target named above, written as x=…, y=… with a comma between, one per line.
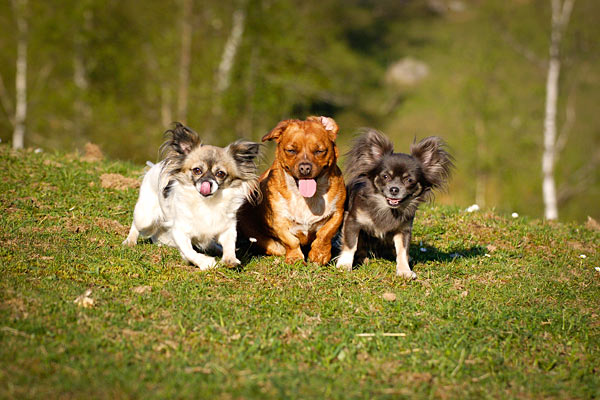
x=502, y=308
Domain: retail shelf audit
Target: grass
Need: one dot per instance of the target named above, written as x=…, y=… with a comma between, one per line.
x=502, y=307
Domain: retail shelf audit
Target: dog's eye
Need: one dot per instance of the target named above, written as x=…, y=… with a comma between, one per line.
x=386, y=177
x=221, y=174
x=409, y=180
x=320, y=152
x=197, y=171
x=291, y=152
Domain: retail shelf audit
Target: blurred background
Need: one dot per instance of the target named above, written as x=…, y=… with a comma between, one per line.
x=118, y=72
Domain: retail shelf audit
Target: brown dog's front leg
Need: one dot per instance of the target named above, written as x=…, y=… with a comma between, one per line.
x=320, y=250
x=291, y=243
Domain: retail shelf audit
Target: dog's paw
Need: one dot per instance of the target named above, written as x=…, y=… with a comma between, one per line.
x=205, y=263
x=128, y=243
x=345, y=261
x=319, y=256
x=231, y=261
x=294, y=256
x=409, y=275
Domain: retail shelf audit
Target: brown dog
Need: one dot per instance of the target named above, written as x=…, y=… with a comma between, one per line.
x=303, y=192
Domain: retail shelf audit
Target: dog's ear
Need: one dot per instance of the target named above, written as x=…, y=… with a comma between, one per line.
x=181, y=139
x=328, y=123
x=244, y=152
x=375, y=145
x=366, y=153
x=437, y=162
x=276, y=132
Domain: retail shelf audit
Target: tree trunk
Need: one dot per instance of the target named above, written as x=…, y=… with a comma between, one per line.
x=223, y=76
x=560, y=19
x=231, y=47
x=83, y=111
x=185, y=61
x=20, y=7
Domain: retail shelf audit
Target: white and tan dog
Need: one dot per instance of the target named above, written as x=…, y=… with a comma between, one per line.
x=191, y=197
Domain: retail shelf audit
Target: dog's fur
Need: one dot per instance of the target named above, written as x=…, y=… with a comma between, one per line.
x=191, y=197
x=291, y=216
x=384, y=192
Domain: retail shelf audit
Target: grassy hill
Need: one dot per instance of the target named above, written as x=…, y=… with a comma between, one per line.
x=502, y=308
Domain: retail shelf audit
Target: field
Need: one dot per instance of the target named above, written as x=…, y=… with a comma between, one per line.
x=503, y=307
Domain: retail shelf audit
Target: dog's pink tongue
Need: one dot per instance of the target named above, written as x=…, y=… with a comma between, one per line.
x=205, y=188
x=307, y=187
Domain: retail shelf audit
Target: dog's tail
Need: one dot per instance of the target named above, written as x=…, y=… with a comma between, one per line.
x=368, y=149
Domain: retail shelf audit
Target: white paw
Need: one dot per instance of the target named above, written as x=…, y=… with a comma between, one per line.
x=129, y=242
x=406, y=274
x=345, y=261
x=230, y=261
x=205, y=263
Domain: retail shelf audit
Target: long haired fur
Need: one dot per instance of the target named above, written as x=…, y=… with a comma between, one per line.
x=192, y=196
x=384, y=191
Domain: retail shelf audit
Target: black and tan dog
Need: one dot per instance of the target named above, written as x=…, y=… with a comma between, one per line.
x=384, y=192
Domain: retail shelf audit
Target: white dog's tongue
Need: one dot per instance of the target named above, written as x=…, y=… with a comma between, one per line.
x=205, y=188
x=307, y=187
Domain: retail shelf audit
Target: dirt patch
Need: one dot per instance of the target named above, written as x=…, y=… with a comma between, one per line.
x=92, y=153
x=74, y=226
x=118, y=181
x=51, y=163
x=592, y=224
x=111, y=225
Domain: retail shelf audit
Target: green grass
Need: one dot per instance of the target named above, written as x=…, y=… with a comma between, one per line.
x=502, y=307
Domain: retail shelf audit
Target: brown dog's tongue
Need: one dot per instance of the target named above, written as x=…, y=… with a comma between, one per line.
x=307, y=187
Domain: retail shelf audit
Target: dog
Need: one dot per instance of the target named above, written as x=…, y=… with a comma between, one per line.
x=191, y=198
x=384, y=192
x=303, y=193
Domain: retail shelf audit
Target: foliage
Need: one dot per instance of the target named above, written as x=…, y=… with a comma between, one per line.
x=484, y=93
x=502, y=307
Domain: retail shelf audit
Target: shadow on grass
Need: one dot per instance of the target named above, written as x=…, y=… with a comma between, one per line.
x=424, y=253
x=421, y=254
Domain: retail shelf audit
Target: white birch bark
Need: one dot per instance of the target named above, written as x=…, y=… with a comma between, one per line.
x=223, y=74
x=185, y=61
x=20, y=7
x=560, y=19
x=233, y=42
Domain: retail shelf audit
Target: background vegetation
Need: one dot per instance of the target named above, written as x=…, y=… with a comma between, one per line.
x=114, y=73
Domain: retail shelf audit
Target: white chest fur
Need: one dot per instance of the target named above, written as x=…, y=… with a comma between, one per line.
x=307, y=214
x=203, y=218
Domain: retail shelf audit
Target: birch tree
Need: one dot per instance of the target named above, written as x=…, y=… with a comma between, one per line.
x=185, y=60
x=223, y=75
x=20, y=8
x=561, y=13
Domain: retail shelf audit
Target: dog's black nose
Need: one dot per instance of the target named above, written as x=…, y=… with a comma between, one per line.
x=305, y=169
x=394, y=190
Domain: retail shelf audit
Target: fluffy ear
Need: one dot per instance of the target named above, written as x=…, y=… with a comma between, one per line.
x=329, y=124
x=276, y=132
x=436, y=161
x=181, y=139
x=367, y=151
x=244, y=153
